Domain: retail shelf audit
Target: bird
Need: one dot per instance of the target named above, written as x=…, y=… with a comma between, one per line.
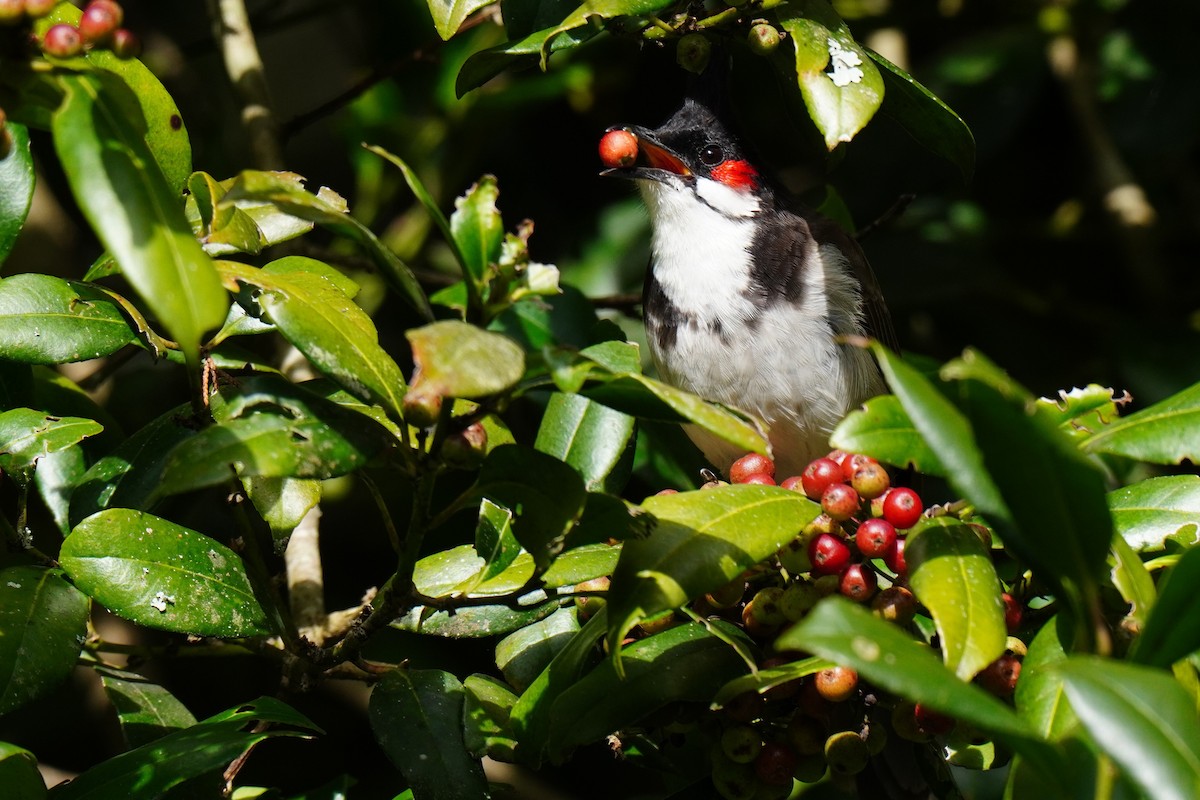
x=751, y=300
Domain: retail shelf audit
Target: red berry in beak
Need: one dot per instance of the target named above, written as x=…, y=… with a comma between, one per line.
x=618, y=149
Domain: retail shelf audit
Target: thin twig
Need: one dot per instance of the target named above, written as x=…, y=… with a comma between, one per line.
x=245, y=68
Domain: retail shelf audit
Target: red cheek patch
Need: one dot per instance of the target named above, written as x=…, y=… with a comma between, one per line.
x=736, y=174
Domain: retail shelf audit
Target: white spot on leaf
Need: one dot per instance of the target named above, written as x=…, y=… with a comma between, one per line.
x=844, y=64
x=160, y=602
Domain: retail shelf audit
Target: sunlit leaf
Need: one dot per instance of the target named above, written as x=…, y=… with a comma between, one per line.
x=16, y=187
x=1173, y=629
x=1147, y=512
x=48, y=320
x=882, y=429
x=1167, y=432
x=145, y=710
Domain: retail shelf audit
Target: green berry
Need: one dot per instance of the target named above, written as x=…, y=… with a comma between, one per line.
x=846, y=753
x=741, y=744
x=806, y=735
x=797, y=600
x=692, y=52
x=763, y=38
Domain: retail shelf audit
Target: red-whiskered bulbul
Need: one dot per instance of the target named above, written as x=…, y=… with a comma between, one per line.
x=748, y=295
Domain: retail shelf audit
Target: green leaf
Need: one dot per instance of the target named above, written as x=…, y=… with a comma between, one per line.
x=1039, y=696
x=488, y=705
x=1146, y=513
x=456, y=359
x=27, y=435
x=162, y=575
x=686, y=663
x=601, y=9
x=592, y=438
x=522, y=655
x=1173, y=630
x=154, y=768
x=285, y=191
x=1082, y=412
x=282, y=502
x=923, y=114
x=763, y=680
x=1142, y=719
x=477, y=227
x=47, y=320
x=134, y=211
x=1132, y=580
x=56, y=477
x=145, y=710
x=43, y=622
x=313, y=312
x=845, y=633
x=471, y=622
x=417, y=718
x=951, y=573
x=494, y=542
x=545, y=495
x=528, y=51
x=16, y=187
x=19, y=774
x=1167, y=432
x=702, y=540
x=882, y=429
x=842, y=87
x=449, y=15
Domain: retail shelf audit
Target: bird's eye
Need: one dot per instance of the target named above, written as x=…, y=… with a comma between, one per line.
x=711, y=155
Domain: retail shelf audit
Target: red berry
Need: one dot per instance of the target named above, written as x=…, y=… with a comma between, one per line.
x=839, y=501
x=871, y=480
x=62, y=41
x=751, y=464
x=858, y=582
x=902, y=507
x=829, y=554
x=1000, y=677
x=36, y=9
x=875, y=537
x=618, y=149
x=758, y=479
x=793, y=483
x=775, y=764
x=100, y=20
x=12, y=11
x=836, y=684
x=1012, y=612
x=932, y=722
x=894, y=558
x=852, y=463
x=819, y=475
x=126, y=44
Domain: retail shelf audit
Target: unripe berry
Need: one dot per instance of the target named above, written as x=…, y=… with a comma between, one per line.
x=765, y=605
x=62, y=41
x=858, y=583
x=797, y=600
x=818, y=475
x=126, y=44
x=734, y=781
x=904, y=723
x=836, y=684
x=12, y=11
x=793, y=556
x=618, y=149
x=829, y=554
x=99, y=21
x=751, y=464
x=586, y=607
x=846, y=753
x=763, y=38
x=775, y=764
x=421, y=409
x=793, y=483
x=822, y=524
x=902, y=507
x=467, y=448
x=692, y=52
x=874, y=733
x=1015, y=646
x=852, y=463
x=932, y=722
x=839, y=501
x=871, y=480
x=894, y=558
x=727, y=596
x=895, y=604
x=741, y=744
x=875, y=537
x=811, y=768
x=806, y=735
x=36, y=9
x=1000, y=677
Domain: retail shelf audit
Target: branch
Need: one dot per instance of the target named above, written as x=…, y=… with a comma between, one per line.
x=246, y=73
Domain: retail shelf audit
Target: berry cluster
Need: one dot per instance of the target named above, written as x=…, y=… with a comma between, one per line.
x=99, y=28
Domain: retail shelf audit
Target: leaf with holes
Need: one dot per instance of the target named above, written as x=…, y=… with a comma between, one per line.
x=48, y=320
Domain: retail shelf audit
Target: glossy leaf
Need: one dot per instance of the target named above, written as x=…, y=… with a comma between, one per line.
x=882, y=429
x=569, y=568
x=286, y=192
x=19, y=774
x=477, y=227
x=701, y=541
x=1133, y=581
x=1167, y=432
x=590, y=437
x=471, y=622
x=145, y=710
x=47, y=320
x=449, y=15
x=1173, y=629
x=16, y=187
x=133, y=209
x=1140, y=718
x=1039, y=696
x=43, y=621
x=494, y=541
x=923, y=114
x=456, y=359
x=417, y=718
x=842, y=87
x=315, y=314
x=161, y=575
x=154, y=768
x=846, y=633
x=601, y=9
x=56, y=476
x=545, y=495
x=763, y=680
x=282, y=502
x=522, y=655
x=27, y=435
x=683, y=664
x=486, y=710
x=1082, y=412
x=527, y=51
x=951, y=573
x=1147, y=512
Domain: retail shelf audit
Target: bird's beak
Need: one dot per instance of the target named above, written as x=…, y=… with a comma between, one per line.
x=653, y=159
